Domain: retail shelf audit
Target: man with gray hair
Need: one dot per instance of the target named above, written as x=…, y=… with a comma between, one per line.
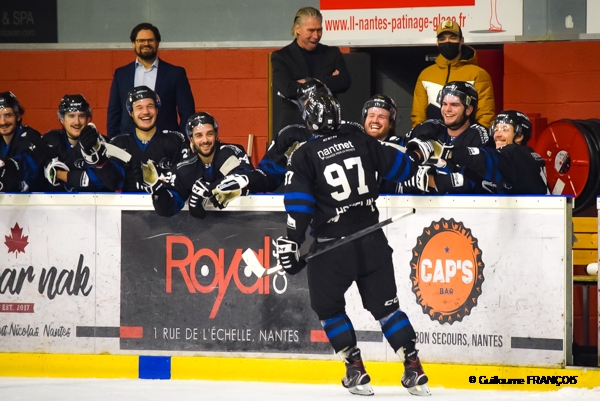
x=305, y=58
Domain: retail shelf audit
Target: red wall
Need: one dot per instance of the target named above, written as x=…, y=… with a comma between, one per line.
x=230, y=84
x=556, y=79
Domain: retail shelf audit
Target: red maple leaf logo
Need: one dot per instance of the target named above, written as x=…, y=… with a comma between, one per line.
x=16, y=242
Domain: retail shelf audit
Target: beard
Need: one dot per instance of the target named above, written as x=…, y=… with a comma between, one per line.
x=458, y=122
x=148, y=56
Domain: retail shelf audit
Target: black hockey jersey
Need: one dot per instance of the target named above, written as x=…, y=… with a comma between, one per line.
x=29, y=153
x=171, y=198
x=270, y=171
x=333, y=181
x=446, y=180
x=165, y=149
x=82, y=177
x=511, y=169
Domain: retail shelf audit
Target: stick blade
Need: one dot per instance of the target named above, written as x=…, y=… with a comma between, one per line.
x=253, y=263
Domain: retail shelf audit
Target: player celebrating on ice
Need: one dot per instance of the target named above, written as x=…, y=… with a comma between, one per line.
x=270, y=171
x=332, y=184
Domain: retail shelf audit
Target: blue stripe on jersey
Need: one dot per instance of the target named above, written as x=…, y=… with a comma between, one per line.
x=179, y=202
x=400, y=164
x=299, y=209
x=290, y=196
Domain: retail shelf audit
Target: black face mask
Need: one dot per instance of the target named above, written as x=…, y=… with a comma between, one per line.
x=449, y=50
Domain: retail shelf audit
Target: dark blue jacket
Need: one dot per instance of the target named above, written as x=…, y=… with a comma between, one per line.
x=172, y=87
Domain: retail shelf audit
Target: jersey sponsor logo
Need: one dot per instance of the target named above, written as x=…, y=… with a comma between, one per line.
x=335, y=149
x=447, y=271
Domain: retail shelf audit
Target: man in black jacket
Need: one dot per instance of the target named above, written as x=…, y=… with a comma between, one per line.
x=305, y=57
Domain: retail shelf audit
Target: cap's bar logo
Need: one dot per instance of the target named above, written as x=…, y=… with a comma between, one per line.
x=447, y=271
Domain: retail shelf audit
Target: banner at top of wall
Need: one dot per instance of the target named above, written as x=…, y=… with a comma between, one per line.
x=28, y=21
x=400, y=22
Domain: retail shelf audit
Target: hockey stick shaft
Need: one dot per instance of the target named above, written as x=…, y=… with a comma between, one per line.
x=357, y=235
x=257, y=268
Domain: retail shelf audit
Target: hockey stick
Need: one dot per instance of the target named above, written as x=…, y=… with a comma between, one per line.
x=257, y=268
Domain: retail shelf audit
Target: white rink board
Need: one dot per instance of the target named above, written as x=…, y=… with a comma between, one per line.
x=523, y=243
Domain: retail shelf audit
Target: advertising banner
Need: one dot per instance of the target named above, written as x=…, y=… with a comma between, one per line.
x=28, y=21
x=47, y=278
x=184, y=286
x=480, y=285
x=484, y=280
x=401, y=22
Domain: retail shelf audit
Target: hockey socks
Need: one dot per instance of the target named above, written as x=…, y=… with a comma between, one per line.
x=398, y=331
x=340, y=332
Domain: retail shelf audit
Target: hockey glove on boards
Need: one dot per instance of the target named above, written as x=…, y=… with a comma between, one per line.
x=151, y=182
x=51, y=169
x=230, y=188
x=288, y=253
x=92, y=148
x=200, y=192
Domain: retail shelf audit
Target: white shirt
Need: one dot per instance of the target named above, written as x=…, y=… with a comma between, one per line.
x=144, y=76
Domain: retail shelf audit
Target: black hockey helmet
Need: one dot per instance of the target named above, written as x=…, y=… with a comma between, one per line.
x=519, y=121
x=9, y=101
x=323, y=114
x=383, y=102
x=200, y=118
x=73, y=103
x=311, y=87
x=465, y=91
x=139, y=93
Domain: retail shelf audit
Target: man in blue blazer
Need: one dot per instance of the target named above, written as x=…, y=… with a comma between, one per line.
x=167, y=80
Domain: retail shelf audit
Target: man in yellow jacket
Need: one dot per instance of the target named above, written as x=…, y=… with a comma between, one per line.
x=456, y=62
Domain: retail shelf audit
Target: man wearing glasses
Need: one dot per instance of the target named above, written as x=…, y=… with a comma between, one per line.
x=167, y=80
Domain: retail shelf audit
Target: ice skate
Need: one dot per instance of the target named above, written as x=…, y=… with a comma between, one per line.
x=357, y=379
x=414, y=378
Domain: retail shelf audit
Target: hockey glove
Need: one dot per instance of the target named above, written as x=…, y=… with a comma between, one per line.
x=420, y=180
x=200, y=192
x=150, y=177
x=288, y=253
x=440, y=153
x=424, y=148
x=230, y=188
x=51, y=169
x=92, y=148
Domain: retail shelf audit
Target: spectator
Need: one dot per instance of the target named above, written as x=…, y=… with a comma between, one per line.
x=145, y=142
x=456, y=62
x=195, y=177
x=23, y=152
x=79, y=161
x=168, y=81
x=305, y=57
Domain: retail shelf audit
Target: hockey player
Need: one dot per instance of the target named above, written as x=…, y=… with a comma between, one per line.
x=457, y=128
x=22, y=151
x=331, y=184
x=511, y=167
x=165, y=149
x=79, y=162
x=379, y=117
x=195, y=176
x=270, y=172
